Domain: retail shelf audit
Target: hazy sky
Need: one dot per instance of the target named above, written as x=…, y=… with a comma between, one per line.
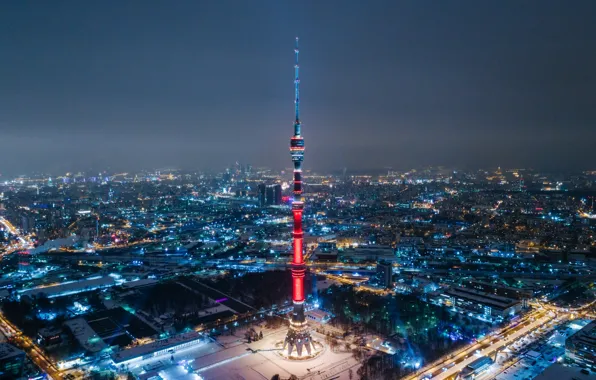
x=202, y=84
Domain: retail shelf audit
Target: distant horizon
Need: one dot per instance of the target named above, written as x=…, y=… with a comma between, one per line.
x=337, y=171
x=201, y=84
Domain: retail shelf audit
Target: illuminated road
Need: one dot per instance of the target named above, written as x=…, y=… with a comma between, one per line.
x=25, y=241
x=485, y=346
x=494, y=345
x=564, y=309
x=33, y=351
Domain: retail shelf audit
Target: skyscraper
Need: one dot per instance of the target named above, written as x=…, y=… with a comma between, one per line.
x=298, y=336
x=269, y=194
x=274, y=194
x=261, y=190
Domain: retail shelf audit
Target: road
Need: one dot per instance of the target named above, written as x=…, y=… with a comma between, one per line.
x=33, y=351
x=25, y=241
x=563, y=309
x=496, y=343
x=489, y=344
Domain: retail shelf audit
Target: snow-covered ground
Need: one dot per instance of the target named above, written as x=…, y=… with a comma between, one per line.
x=259, y=361
x=230, y=357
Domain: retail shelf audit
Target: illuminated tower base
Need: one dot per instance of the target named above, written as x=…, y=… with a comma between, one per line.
x=299, y=344
x=298, y=337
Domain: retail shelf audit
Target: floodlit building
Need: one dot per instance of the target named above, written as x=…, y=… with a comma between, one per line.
x=318, y=315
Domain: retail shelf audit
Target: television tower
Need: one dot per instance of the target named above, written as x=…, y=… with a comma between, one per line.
x=298, y=335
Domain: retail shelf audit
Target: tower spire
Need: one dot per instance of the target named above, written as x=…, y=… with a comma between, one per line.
x=297, y=89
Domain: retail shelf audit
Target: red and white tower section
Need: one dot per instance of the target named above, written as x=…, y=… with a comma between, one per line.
x=298, y=337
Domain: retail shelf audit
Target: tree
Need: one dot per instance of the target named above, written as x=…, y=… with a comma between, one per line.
x=358, y=354
x=333, y=344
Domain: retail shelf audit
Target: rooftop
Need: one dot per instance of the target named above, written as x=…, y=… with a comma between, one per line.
x=559, y=372
x=139, y=283
x=585, y=336
x=85, y=335
x=480, y=362
x=139, y=351
x=485, y=298
x=67, y=288
x=8, y=351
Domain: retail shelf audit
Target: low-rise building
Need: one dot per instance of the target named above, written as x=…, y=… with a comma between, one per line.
x=156, y=348
x=318, y=315
x=487, y=305
x=49, y=337
x=11, y=361
x=581, y=346
x=369, y=253
x=84, y=334
x=475, y=368
x=70, y=287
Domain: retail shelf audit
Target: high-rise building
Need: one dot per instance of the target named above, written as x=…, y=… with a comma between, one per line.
x=273, y=194
x=298, y=336
x=261, y=193
x=269, y=194
x=385, y=274
x=27, y=223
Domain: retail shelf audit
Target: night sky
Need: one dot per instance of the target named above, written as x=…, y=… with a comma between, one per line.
x=201, y=84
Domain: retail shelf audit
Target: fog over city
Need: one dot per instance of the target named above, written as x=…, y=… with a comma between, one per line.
x=200, y=84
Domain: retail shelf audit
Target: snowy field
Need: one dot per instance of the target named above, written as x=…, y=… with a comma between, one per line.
x=230, y=357
x=258, y=361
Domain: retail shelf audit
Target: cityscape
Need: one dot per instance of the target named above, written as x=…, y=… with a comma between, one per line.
x=268, y=267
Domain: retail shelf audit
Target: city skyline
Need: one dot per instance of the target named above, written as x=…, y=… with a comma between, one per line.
x=443, y=226
x=198, y=86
